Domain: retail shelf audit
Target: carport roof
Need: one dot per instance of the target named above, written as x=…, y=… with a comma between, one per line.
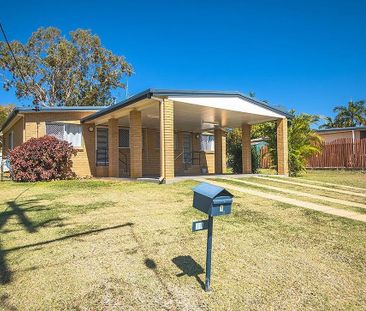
x=195, y=93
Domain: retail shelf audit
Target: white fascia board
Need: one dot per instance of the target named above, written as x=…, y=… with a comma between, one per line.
x=228, y=103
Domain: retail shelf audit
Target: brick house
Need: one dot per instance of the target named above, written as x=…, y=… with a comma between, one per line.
x=156, y=133
x=351, y=133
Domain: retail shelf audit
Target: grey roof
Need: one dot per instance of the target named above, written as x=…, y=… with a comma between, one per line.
x=18, y=110
x=210, y=190
x=161, y=92
x=342, y=129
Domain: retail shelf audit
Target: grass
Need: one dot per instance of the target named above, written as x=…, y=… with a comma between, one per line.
x=95, y=245
x=259, y=182
x=343, y=177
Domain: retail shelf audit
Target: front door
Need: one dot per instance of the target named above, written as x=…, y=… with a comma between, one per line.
x=187, y=148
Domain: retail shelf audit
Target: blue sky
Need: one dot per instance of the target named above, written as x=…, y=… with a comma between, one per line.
x=306, y=55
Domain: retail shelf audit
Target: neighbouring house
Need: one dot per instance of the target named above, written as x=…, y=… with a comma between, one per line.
x=156, y=133
x=331, y=134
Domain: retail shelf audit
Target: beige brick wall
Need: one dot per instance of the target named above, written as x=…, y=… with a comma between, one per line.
x=113, y=148
x=151, y=152
x=220, y=151
x=282, y=147
x=18, y=136
x=84, y=161
x=246, y=149
x=329, y=137
x=135, y=144
x=34, y=126
x=167, y=139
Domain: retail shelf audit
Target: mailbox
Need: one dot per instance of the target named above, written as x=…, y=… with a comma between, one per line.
x=212, y=200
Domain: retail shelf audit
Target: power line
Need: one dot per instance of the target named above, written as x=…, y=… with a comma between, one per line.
x=16, y=62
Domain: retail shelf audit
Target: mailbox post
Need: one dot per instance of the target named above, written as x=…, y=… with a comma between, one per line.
x=214, y=201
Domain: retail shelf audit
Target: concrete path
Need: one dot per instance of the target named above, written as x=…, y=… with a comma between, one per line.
x=287, y=181
x=299, y=193
x=278, y=198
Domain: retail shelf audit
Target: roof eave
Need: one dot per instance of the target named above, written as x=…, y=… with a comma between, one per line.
x=17, y=110
x=158, y=92
x=10, y=117
x=127, y=102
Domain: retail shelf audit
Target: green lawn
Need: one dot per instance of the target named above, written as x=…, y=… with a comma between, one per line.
x=97, y=245
x=349, y=178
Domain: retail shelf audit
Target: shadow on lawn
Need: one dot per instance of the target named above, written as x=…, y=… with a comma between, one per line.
x=189, y=267
x=19, y=210
x=5, y=304
x=66, y=237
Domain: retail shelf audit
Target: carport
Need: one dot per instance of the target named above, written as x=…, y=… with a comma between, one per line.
x=158, y=133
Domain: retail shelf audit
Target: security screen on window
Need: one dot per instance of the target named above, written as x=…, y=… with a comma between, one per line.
x=102, y=146
x=65, y=131
x=124, y=138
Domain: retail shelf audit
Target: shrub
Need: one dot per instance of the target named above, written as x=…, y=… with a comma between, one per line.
x=234, y=151
x=45, y=158
x=256, y=159
x=303, y=142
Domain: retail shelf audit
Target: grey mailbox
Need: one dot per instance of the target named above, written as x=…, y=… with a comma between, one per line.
x=212, y=200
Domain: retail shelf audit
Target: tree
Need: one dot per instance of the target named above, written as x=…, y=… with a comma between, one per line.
x=4, y=112
x=354, y=114
x=330, y=123
x=303, y=142
x=62, y=72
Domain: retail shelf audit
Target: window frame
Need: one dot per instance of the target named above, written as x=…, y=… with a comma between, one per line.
x=64, y=125
x=106, y=162
x=128, y=130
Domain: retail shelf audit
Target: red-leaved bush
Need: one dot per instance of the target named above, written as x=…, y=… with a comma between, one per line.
x=44, y=158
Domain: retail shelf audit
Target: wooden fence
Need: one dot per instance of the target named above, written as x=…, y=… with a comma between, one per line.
x=341, y=153
x=265, y=159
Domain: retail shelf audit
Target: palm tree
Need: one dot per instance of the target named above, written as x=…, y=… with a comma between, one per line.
x=330, y=123
x=353, y=114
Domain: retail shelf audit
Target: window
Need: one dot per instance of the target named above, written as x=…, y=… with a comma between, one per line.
x=65, y=131
x=102, y=146
x=11, y=140
x=124, y=138
x=207, y=143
